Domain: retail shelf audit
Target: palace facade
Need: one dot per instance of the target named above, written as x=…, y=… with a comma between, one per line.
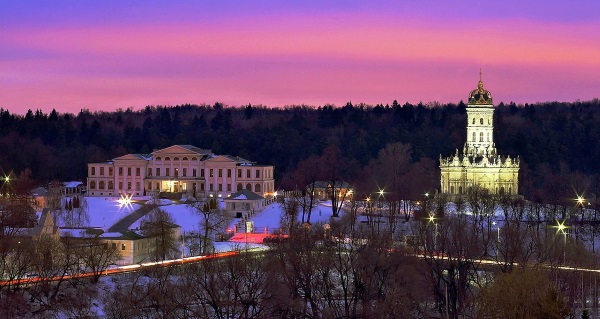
x=179, y=169
x=479, y=165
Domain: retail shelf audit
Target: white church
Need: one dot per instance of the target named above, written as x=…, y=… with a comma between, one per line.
x=479, y=163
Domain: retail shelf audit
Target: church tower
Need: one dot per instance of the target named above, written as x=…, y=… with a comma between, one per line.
x=479, y=165
x=480, y=121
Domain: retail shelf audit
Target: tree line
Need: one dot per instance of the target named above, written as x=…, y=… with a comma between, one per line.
x=553, y=140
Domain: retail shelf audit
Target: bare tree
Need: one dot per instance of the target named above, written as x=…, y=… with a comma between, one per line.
x=212, y=221
x=96, y=256
x=159, y=226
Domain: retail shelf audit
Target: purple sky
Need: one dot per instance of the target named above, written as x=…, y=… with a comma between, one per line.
x=71, y=55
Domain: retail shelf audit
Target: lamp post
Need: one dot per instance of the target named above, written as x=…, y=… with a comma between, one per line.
x=580, y=201
x=432, y=220
x=562, y=228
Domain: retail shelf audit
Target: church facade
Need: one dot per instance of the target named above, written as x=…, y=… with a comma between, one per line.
x=479, y=165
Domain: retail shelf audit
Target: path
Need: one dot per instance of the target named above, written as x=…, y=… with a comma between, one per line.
x=123, y=224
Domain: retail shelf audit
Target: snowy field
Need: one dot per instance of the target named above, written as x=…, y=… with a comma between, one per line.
x=106, y=211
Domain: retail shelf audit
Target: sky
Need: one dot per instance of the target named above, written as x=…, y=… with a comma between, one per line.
x=105, y=55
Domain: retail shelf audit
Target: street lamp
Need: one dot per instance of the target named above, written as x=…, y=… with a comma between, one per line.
x=580, y=201
x=562, y=228
x=431, y=219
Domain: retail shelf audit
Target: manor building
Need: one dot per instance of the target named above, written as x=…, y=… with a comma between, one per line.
x=180, y=170
x=479, y=165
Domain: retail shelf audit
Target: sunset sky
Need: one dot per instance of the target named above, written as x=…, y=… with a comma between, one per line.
x=104, y=55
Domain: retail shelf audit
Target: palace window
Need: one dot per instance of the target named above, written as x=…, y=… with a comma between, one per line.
x=158, y=171
x=202, y=172
x=110, y=171
x=120, y=171
x=184, y=172
x=220, y=172
x=229, y=187
x=138, y=171
x=229, y=172
x=481, y=136
x=239, y=173
x=257, y=173
x=248, y=173
x=194, y=172
x=111, y=185
x=211, y=173
x=101, y=185
x=167, y=172
x=149, y=172
x=128, y=171
x=93, y=171
x=101, y=171
x=220, y=187
x=93, y=185
x=257, y=188
x=481, y=121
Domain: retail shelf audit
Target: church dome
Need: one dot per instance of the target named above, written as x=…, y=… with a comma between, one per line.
x=480, y=96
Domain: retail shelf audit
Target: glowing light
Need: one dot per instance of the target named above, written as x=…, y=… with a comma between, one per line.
x=431, y=218
x=580, y=200
x=426, y=194
x=381, y=192
x=125, y=201
x=368, y=199
x=561, y=227
x=7, y=179
x=275, y=194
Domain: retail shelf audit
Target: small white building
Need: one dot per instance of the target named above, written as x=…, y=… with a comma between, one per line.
x=244, y=203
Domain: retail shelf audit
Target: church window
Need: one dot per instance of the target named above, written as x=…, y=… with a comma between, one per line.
x=481, y=136
x=460, y=189
x=474, y=137
x=451, y=189
x=481, y=121
x=473, y=121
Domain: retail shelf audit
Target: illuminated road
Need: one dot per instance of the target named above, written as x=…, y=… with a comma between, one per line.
x=128, y=268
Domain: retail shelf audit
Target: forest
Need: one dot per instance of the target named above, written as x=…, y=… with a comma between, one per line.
x=556, y=141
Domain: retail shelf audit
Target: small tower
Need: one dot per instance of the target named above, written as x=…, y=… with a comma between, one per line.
x=480, y=121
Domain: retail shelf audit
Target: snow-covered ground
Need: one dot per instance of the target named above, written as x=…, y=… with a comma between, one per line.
x=103, y=212
x=106, y=211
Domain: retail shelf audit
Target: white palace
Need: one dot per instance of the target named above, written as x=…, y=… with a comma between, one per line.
x=479, y=164
x=179, y=169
